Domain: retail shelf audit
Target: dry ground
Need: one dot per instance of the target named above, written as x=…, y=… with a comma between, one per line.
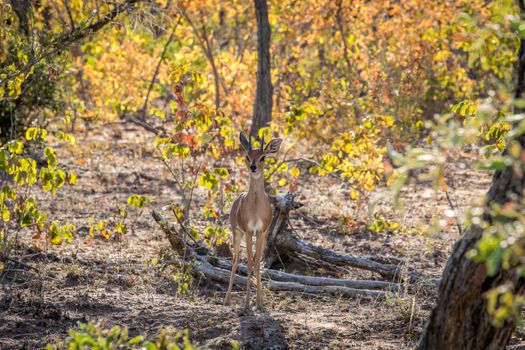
x=114, y=280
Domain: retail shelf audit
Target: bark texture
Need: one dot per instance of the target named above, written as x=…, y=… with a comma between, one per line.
x=262, y=110
x=460, y=319
x=22, y=9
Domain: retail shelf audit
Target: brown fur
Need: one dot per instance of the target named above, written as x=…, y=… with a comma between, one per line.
x=251, y=214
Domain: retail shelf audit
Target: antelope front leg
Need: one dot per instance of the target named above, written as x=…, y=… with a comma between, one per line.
x=259, y=248
x=249, y=254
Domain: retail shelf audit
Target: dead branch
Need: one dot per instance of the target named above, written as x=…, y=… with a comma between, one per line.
x=288, y=242
x=223, y=276
x=142, y=123
x=280, y=281
x=276, y=275
x=161, y=59
x=176, y=241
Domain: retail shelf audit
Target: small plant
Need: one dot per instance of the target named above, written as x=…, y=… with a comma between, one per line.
x=193, y=154
x=98, y=336
x=118, y=225
x=177, y=269
x=21, y=172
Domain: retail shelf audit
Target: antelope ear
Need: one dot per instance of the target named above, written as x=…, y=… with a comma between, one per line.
x=273, y=146
x=245, y=142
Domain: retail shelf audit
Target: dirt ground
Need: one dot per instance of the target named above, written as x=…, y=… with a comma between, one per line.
x=115, y=281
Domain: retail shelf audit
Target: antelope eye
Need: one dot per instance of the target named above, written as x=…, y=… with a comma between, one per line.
x=247, y=159
x=263, y=158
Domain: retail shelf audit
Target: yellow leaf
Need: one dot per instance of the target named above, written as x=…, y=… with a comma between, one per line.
x=6, y=215
x=389, y=120
x=72, y=178
x=295, y=172
x=55, y=240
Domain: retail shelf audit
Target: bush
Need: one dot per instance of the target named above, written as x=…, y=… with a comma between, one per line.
x=98, y=336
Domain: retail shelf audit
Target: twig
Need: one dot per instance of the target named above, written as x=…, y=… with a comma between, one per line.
x=307, y=218
x=170, y=38
x=204, y=43
x=146, y=126
x=454, y=208
x=198, y=170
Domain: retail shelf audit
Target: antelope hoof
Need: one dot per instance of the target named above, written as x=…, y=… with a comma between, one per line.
x=227, y=300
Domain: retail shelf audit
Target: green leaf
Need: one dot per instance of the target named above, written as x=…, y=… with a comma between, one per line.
x=135, y=340
x=150, y=346
x=138, y=201
x=496, y=164
x=49, y=153
x=222, y=172
x=209, y=181
x=16, y=148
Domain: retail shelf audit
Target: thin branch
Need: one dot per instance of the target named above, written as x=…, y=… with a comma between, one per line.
x=204, y=43
x=71, y=37
x=456, y=212
x=69, y=14
x=146, y=126
x=179, y=185
x=198, y=171
x=170, y=38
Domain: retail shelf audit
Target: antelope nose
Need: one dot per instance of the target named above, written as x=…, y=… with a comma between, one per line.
x=253, y=167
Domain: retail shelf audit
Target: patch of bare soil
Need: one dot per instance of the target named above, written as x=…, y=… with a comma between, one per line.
x=43, y=293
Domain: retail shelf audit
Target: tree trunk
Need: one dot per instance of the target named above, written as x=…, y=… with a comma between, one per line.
x=22, y=9
x=262, y=110
x=460, y=319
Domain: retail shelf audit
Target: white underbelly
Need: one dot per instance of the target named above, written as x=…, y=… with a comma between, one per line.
x=255, y=225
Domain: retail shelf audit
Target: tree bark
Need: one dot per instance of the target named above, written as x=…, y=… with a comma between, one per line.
x=460, y=319
x=22, y=9
x=290, y=244
x=262, y=110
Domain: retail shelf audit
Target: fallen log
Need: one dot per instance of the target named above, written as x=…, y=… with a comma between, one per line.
x=289, y=243
x=278, y=280
x=284, y=242
x=221, y=275
x=276, y=275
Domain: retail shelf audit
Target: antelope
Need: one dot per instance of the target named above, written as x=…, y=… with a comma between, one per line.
x=251, y=215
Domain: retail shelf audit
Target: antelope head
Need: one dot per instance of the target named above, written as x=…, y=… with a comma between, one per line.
x=255, y=157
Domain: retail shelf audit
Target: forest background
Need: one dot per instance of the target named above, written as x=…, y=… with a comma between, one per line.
x=371, y=98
